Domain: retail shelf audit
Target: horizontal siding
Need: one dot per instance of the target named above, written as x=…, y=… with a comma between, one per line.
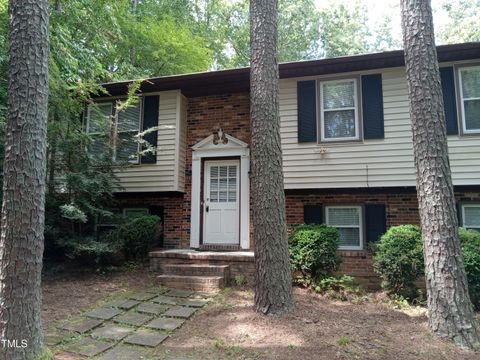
x=159, y=176
x=369, y=163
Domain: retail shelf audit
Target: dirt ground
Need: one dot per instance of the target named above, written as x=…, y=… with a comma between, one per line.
x=228, y=328
x=318, y=329
x=67, y=291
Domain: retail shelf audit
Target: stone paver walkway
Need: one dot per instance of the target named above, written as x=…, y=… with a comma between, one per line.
x=130, y=327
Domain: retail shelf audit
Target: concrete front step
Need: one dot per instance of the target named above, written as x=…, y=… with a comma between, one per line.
x=195, y=283
x=195, y=270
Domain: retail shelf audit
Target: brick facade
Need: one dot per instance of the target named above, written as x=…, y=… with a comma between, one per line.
x=231, y=113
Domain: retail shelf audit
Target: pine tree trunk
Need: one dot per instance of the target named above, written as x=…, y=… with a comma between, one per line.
x=450, y=310
x=273, y=280
x=21, y=241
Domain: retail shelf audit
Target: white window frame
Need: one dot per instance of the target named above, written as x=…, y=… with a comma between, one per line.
x=117, y=133
x=125, y=210
x=462, y=99
x=359, y=226
x=355, y=108
x=463, y=206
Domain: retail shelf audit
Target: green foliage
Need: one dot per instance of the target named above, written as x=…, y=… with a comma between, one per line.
x=313, y=250
x=240, y=280
x=462, y=25
x=90, y=250
x=398, y=259
x=137, y=235
x=341, y=288
x=470, y=242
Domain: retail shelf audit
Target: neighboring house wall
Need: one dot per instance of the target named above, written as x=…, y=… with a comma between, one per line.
x=368, y=163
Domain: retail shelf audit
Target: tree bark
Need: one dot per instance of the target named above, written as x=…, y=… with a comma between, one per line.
x=450, y=310
x=21, y=240
x=273, y=280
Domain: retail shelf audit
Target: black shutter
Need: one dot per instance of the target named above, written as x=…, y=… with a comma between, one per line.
x=150, y=119
x=449, y=100
x=372, y=106
x=312, y=214
x=307, y=111
x=375, y=221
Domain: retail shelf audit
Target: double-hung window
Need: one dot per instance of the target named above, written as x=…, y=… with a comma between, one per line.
x=127, y=125
x=471, y=216
x=469, y=78
x=99, y=123
x=348, y=221
x=339, y=118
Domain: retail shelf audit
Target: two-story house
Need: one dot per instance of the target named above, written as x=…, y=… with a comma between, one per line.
x=347, y=153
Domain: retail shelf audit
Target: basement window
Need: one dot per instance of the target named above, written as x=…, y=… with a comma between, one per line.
x=471, y=216
x=348, y=221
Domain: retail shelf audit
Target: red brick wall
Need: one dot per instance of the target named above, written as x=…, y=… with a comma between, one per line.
x=174, y=216
x=205, y=115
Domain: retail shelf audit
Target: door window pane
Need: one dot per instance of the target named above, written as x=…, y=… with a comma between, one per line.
x=223, y=183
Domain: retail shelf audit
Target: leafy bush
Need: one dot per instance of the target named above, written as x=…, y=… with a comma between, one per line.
x=313, y=250
x=398, y=260
x=90, y=250
x=470, y=242
x=137, y=235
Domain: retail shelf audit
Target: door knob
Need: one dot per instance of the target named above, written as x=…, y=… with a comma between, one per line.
x=207, y=208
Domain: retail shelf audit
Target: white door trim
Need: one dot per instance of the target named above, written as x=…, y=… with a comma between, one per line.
x=207, y=149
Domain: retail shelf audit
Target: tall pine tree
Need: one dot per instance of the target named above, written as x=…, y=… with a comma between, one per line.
x=21, y=241
x=273, y=280
x=450, y=310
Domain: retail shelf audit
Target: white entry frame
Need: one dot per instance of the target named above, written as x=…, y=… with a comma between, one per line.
x=208, y=149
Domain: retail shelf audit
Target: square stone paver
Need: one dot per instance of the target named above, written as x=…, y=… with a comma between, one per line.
x=128, y=304
x=82, y=326
x=179, y=293
x=181, y=312
x=54, y=337
x=124, y=352
x=197, y=303
x=157, y=290
x=142, y=296
x=168, y=324
x=115, y=303
x=152, y=308
x=133, y=318
x=89, y=347
x=112, y=332
x=165, y=300
x=103, y=313
x=146, y=338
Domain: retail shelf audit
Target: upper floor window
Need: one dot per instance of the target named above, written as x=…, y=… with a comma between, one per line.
x=101, y=126
x=469, y=78
x=348, y=221
x=339, y=118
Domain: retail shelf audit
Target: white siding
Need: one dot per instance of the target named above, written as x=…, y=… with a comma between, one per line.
x=164, y=175
x=370, y=163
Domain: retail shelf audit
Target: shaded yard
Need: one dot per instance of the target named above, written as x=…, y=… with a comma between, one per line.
x=229, y=329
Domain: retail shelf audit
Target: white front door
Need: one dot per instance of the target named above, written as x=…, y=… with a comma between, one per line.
x=221, y=202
